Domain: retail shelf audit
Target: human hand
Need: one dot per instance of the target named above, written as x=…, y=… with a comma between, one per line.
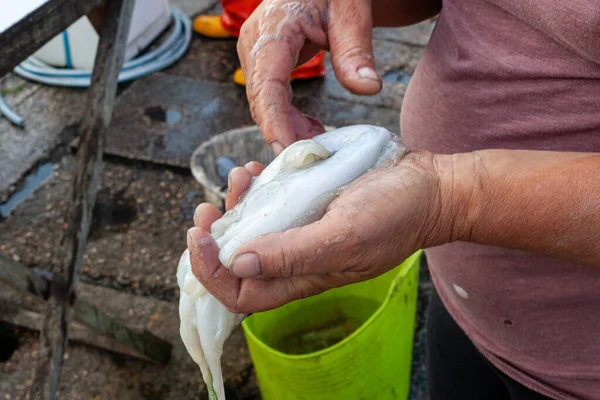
x=281, y=34
x=374, y=225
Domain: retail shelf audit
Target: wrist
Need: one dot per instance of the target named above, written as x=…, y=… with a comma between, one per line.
x=460, y=195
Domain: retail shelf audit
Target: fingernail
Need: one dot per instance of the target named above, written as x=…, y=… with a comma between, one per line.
x=277, y=147
x=367, y=73
x=196, y=215
x=197, y=237
x=245, y=266
x=204, y=253
x=232, y=177
x=229, y=182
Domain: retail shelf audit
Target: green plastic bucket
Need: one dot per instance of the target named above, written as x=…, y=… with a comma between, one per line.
x=353, y=342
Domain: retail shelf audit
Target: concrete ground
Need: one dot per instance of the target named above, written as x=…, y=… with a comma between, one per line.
x=145, y=205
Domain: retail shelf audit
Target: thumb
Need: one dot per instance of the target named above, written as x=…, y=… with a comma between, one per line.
x=322, y=247
x=350, y=33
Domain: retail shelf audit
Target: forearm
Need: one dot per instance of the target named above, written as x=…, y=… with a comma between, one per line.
x=542, y=202
x=390, y=13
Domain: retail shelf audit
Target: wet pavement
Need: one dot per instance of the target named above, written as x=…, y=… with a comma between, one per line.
x=138, y=229
x=146, y=202
x=49, y=112
x=201, y=108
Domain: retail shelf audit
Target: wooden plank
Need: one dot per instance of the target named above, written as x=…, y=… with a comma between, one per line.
x=19, y=277
x=78, y=332
x=109, y=60
x=104, y=331
x=25, y=37
x=144, y=343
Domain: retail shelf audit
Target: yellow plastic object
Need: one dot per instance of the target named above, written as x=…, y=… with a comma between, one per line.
x=373, y=362
x=238, y=77
x=211, y=26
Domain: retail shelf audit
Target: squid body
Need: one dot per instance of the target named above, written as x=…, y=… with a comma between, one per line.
x=294, y=190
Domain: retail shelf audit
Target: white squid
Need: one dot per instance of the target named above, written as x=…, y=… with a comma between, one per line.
x=294, y=190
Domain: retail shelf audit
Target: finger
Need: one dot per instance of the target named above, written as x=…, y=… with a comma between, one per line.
x=204, y=257
x=255, y=168
x=351, y=46
x=323, y=247
x=248, y=36
x=204, y=215
x=256, y=295
x=239, y=181
x=306, y=127
x=269, y=94
x=268, y=65
x=248, y=295
x=268, y=89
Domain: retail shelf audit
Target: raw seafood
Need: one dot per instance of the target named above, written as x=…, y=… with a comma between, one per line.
x=294, y=190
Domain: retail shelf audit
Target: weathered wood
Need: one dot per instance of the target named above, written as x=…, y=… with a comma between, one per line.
x=144, y=343
x=19, y=277
x=26, y=36
x=104, y=331
x=78, y=332
x=95, y=17
x=109, y=60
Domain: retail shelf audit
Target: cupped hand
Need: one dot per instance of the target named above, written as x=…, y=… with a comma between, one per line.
x=374, y=225
x=282, y=34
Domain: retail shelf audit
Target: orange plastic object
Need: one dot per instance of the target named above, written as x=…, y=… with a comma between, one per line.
x=236, y=12
x=313, y=68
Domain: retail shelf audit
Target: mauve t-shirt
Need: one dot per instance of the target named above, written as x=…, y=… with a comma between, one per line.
x=515, y=74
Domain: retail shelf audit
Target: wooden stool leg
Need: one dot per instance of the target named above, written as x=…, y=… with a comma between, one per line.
x=91, y=325
x=109, y=60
